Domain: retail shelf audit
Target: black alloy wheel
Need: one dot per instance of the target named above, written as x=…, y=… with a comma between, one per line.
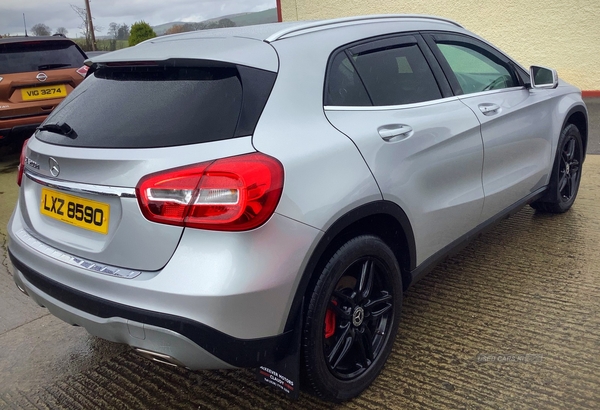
x=358, y=318
x=569, y=176
x=352, y=318
x=566, y=173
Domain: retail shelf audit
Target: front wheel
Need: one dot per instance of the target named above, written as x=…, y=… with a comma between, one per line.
x=566, y=173
x=352, y=318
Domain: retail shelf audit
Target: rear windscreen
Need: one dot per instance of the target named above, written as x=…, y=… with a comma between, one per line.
x=23, y=57
x=150, y=106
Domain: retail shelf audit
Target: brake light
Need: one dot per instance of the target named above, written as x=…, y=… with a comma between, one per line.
x=82, y=71
x=21, y=167
x=230, y=194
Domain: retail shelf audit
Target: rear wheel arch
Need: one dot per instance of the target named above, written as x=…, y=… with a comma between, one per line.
x=578, y=117
x=383, y=219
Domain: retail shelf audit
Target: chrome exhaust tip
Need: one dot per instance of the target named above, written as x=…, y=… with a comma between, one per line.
x=23, y=291
x=158, y=357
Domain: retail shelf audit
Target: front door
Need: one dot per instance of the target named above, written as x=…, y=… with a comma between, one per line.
x=516, y=133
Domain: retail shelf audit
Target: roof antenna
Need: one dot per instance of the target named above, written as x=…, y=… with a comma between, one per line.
x=24, y=25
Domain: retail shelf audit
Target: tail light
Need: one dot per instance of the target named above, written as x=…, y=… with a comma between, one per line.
x=229, y=194
x=82, y=71
x=22, y=163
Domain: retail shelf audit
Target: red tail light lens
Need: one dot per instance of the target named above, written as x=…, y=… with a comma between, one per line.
x=229, y=194
x=82, y=71
x=22, y=163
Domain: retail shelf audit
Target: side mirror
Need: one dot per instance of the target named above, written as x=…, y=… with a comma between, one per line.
x=542, y=77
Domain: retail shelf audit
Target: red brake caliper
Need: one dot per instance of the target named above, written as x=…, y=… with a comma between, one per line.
x=330, y=321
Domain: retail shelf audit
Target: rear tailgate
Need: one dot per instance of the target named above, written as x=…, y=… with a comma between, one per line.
x=125, y=121
x=90, y=210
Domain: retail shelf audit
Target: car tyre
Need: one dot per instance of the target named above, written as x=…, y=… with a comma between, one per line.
x=566, y=173
x=351, y=319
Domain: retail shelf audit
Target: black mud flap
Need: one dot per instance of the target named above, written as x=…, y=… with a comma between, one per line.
x=284, y=373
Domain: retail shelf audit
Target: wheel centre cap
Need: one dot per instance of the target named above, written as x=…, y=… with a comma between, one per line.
x=358, y=316
x=567, y=168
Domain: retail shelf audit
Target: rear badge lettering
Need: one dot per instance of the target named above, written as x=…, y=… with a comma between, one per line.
x=31, y=163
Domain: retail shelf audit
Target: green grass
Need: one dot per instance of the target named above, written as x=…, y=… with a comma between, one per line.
x=103, y=44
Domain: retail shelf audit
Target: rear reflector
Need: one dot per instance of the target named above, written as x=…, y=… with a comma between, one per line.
x=229, y=194
x=82, y=71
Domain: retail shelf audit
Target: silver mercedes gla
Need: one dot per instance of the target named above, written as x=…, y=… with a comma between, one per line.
x=262, y=196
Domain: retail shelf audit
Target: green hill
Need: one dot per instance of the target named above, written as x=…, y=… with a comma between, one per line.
x=161, y=28
x=250, y=19
x=240, y=19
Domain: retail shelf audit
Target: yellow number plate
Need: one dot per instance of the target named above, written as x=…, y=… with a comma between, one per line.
x=75, y=211
x=43, y=93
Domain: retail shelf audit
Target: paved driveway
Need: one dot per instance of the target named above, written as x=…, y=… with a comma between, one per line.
x=593, y=105
x=513, y=321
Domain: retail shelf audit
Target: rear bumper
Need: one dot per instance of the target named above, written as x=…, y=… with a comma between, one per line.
x=193, y=344
x=221, y=301
x=19, y=125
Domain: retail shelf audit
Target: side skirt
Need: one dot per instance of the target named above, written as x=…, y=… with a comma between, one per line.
x=455, y=247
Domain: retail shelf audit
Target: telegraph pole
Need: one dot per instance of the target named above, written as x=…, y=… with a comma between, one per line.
x=90, y=24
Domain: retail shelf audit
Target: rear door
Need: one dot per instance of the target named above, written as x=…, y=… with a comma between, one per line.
x=422, y=145
x=515, y=123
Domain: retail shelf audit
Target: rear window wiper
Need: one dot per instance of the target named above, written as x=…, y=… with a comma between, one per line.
x=51, y=66
x=62, y=129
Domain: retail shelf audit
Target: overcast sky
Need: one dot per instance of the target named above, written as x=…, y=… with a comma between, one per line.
x=58, y=13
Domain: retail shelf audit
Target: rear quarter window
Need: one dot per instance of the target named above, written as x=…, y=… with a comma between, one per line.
x=344, y=87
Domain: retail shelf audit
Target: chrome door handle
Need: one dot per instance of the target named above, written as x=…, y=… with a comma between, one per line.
x=391, y=133
x=489, y=108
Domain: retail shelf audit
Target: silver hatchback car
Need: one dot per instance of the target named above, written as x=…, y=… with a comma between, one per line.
x=262, y=196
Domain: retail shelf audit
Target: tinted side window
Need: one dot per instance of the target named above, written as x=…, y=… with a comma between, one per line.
x=344, y=88
x=475, y=69
x=23, y=57
x=398, y=75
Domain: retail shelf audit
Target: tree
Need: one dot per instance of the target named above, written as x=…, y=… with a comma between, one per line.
x=226, y=23
x=40, y=29
x=123, y=32
x=62, y=30
x=140, y=31
x=113, y=30
x=177, y=28
x=85, y=27
x=198, y=26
